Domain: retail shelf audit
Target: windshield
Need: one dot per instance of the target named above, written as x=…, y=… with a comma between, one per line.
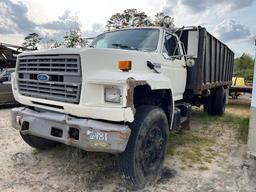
x=131, y=39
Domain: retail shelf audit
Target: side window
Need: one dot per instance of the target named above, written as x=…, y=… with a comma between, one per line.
x=171, y=46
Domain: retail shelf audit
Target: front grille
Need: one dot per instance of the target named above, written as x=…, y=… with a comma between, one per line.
x=63, y=74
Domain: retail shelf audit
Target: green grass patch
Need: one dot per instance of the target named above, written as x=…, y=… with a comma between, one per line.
x=191, y=147
x=243, y=130
x=198, y=145
x=238, y=122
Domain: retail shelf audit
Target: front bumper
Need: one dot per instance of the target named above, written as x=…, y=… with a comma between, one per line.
x=86, y=134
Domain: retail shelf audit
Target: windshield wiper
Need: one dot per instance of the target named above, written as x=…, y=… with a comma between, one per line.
x=121, y=46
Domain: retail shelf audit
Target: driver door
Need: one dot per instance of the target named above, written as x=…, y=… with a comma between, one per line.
x=173, y=64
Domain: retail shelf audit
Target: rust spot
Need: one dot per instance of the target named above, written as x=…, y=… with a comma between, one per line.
x=132, y=83
x=119, y=134
x=125, y=135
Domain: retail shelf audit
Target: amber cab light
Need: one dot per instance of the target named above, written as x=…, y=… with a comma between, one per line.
x=125, y=65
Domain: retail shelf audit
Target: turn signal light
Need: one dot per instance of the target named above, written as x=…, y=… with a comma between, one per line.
x=125, y=65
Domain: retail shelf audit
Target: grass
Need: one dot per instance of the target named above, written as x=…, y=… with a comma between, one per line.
x=243, y=130
x=199, y=146
x=192, y=147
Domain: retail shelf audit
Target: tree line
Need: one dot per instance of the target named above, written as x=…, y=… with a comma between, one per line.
x=243, y=67
x=73, y=38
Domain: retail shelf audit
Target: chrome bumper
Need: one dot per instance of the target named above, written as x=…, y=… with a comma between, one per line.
x=86, y=134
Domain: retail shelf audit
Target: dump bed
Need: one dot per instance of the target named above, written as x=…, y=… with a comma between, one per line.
x=213, y=60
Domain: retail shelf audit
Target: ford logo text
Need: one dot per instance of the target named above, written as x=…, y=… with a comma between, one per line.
x=43, y=77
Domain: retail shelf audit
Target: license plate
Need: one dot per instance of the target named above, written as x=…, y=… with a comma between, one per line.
x=97, y=135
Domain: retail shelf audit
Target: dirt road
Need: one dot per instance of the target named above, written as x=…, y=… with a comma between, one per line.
x=209, y=157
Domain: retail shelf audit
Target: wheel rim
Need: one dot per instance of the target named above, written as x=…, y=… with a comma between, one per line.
x=152, y=150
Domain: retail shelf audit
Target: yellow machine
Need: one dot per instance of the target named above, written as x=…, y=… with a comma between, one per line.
x=239, y=87
x=238, y=81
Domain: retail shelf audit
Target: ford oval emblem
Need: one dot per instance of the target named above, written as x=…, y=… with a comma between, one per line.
x=43, y=77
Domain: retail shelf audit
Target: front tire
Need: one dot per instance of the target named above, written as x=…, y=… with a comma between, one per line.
x=142, y=160
x=38, y=142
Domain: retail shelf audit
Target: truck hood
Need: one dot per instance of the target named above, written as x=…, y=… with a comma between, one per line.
x=102, y=64
x=98, y=61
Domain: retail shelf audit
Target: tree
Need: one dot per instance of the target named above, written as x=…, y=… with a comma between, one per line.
x=84, y=42
x=48, y=42
x=55, y=44
x=159, y=18
x=73, y=39
x=243, y=66
x=129, y=18
x=31, y=41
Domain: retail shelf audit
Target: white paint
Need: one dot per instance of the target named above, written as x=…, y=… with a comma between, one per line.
x=100, y=69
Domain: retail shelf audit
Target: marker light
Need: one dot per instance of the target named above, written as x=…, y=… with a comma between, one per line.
x=125, y=65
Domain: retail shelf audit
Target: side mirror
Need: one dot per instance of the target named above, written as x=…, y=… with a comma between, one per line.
x=190, y=62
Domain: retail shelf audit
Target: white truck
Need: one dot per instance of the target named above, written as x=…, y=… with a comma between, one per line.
x=122, y=95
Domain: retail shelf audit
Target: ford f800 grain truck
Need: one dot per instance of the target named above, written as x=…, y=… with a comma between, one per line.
x=123, y=94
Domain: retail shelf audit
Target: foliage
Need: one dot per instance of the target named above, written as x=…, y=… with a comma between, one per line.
x=55, y=44
x=74, y=39
x=84, y=42
x=243, y=67
x=158, y=18
x=129, y=18
x=133, y=18
x=47, y=43
x=243, y=130
x=31, y=41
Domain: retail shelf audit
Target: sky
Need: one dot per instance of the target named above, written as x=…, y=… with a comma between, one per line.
x=232, y=21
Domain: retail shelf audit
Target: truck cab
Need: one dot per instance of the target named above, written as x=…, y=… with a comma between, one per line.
x=80, y=81
x=163, y=47
x=122, y=95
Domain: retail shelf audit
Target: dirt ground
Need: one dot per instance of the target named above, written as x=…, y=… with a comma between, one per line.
x=209, y=157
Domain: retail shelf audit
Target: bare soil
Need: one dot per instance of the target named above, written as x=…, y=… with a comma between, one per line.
x=209, y=157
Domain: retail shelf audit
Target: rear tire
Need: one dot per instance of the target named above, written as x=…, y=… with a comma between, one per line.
x=220, y=101
x=208, y=104
x=142, y=160
x=38, y=142
x=215, y=104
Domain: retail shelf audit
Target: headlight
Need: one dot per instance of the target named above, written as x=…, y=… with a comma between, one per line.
x=112, y=94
